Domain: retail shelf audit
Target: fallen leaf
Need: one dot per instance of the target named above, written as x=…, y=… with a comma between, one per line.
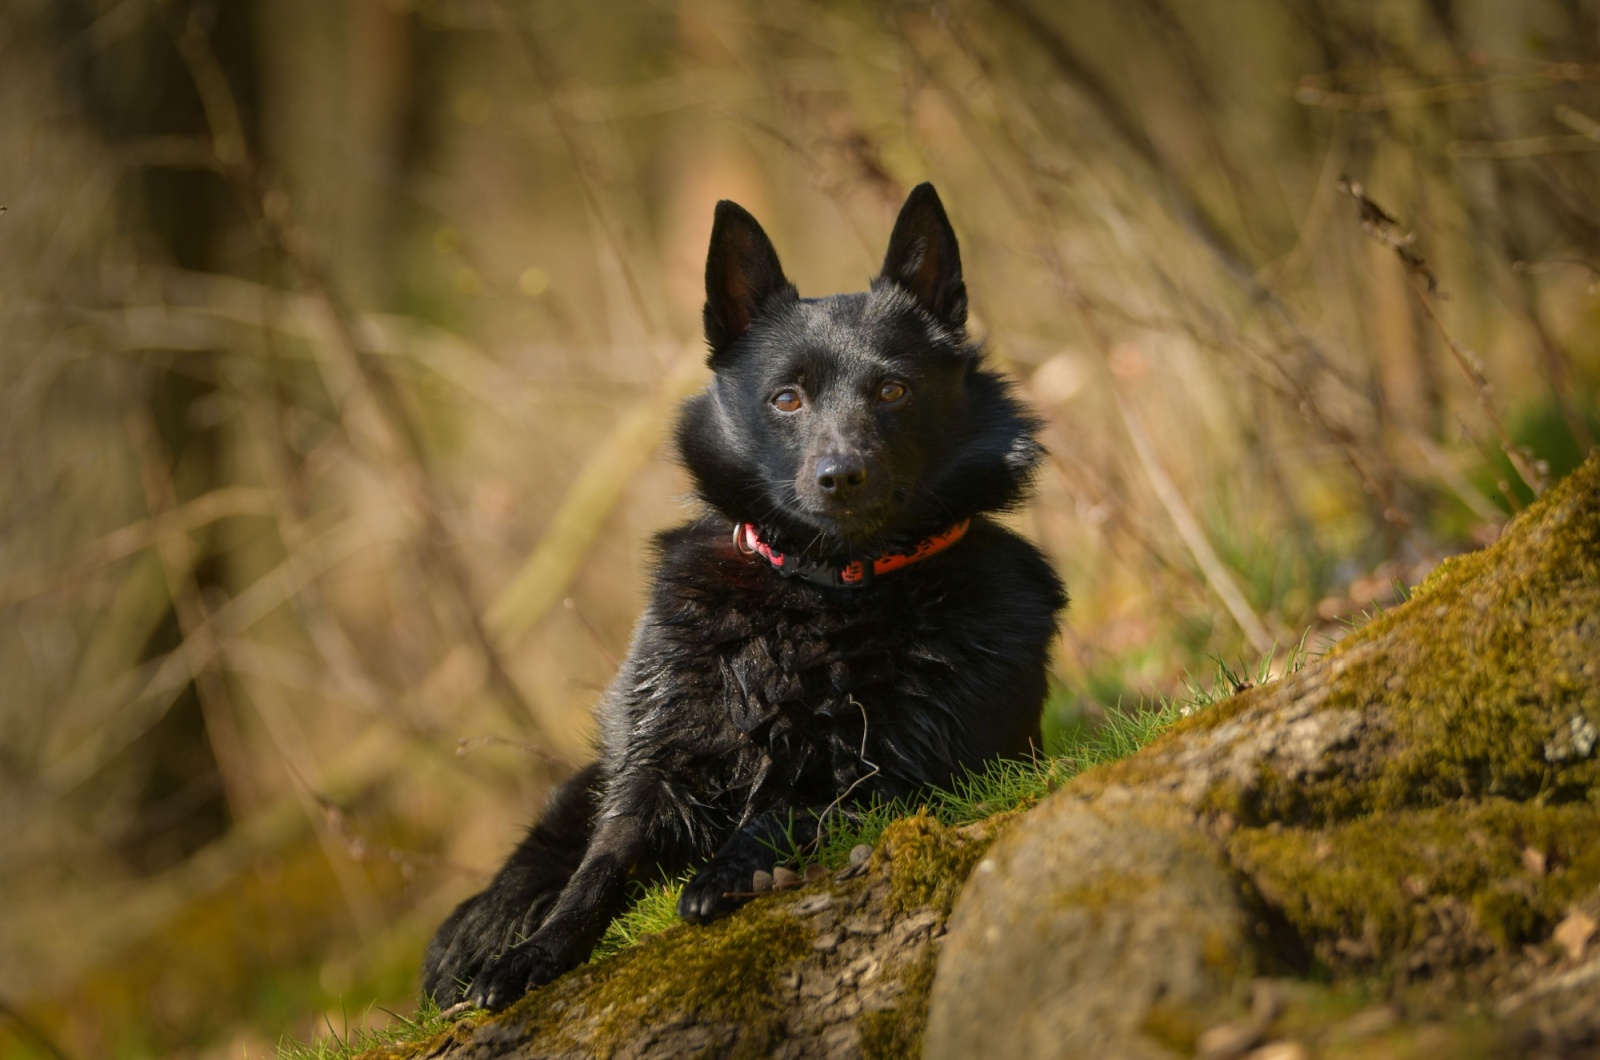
x=1573, y=933
x=1226, y=1041
x=1279, y=1051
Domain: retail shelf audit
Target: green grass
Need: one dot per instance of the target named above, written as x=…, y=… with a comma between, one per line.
x=1008, y=785
x=427, y=1022
x=1002, y=787
x=1354, y=623
x=654, y=909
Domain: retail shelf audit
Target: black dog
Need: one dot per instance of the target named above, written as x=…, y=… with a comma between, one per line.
x=843, y=625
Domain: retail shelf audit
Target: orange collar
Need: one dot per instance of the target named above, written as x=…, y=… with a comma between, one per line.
x=853, y=575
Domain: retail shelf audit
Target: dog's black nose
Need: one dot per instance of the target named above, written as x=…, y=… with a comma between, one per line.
x=841, y=475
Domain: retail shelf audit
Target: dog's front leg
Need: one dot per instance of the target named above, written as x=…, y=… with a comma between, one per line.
x=522, y=894
x=596, y=893
x=724, y=883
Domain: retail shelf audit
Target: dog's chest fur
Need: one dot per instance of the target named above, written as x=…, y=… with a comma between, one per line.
x=760, y=689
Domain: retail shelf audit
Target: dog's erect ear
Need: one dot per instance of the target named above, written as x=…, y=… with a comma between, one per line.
x=742, y=275
x=923, y=257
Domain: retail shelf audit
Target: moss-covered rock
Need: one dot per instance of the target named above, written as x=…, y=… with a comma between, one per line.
x=1096, y=928
x=1407, y=821
x=927, y=862
x=1390, y=891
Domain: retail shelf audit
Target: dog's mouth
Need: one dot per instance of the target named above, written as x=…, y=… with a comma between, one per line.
x=851, y=526
x=817, y=529
x=853, y=530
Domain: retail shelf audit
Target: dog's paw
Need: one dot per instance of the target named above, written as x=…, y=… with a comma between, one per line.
x=450, y=982
x=706, y=897
x=512, y=974
x=459, y=952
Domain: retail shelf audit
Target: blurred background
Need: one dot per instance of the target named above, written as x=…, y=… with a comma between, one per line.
x=338, y=340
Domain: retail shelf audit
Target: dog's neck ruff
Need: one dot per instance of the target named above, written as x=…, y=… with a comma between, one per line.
x=856, y=574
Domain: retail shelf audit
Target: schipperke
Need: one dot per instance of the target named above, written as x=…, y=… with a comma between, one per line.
x=842, y=624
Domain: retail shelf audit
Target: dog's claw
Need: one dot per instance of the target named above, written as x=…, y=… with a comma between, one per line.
x=705, y=898
x=512, y=975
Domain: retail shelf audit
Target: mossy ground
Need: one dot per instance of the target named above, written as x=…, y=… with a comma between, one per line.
x=896, y=1033
x=1508, y=655
x=1424, y=854
x=1488, y=681
x=1442, y=855
x=929, y=861
x=1484, y=673
x=720, y=974
x=1408, y=891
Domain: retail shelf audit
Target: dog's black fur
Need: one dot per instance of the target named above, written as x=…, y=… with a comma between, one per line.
x=750, y=704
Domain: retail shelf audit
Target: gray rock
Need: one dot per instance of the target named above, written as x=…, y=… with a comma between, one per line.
x=1076, y=925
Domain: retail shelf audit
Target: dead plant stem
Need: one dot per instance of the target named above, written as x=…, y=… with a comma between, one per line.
x=1473, y=370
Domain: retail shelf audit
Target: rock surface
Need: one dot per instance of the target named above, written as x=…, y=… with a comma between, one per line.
x=1081, y=922
x=1394, y=852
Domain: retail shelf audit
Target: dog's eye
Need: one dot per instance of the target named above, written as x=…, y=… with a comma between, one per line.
x=891, y=392
x=787, y=400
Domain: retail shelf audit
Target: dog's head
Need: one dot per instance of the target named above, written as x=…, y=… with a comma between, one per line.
x=858, y=423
